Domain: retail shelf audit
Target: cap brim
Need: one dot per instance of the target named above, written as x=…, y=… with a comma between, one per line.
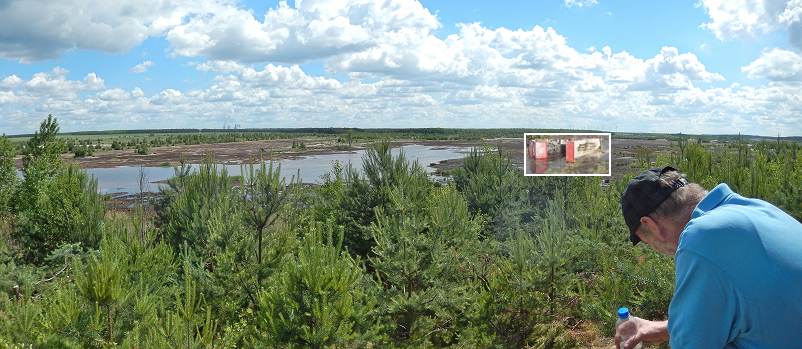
x=634, y=238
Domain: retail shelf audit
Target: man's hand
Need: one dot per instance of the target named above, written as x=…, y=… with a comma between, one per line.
x=638, y=330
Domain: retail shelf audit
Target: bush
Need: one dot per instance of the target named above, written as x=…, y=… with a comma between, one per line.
x=142, y=149
x=320, y=298
x=428, y=257
x=493, y=187
x=83, y=151
x=66, y=209
x=57, y=204
x=363, y=195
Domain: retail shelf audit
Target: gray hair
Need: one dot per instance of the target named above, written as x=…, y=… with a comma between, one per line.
x=682, y=201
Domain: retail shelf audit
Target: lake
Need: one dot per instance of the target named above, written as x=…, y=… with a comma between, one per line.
x=125, y=179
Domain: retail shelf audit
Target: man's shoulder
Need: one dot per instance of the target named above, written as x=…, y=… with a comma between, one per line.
x=753, y=228
x=737, y=215
x=719, y=227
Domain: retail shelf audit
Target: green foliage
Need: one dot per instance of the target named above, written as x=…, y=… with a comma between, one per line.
x=66, y=208
x=533, y=285
x=265, y=194
x=8, y=176
x=55, y=204
x=298, y=145
x=44, y=148
x=110, y=296
x=41, y=161
x=192, y=201
x=320, y=298
x=142, y=149
x=425, y=257
x=373, y=257
x=766, y=170
x=492, y=186
x=99, y=283
x=190, y=325
x=83, y=151
x=552, y=336
x=353, y=198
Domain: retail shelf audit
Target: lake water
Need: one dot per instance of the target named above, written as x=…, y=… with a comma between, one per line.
x=125, y=179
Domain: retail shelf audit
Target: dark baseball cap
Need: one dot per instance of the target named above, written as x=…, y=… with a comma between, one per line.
x=643, y=195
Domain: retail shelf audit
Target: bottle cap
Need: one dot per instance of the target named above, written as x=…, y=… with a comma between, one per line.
x=623, y=313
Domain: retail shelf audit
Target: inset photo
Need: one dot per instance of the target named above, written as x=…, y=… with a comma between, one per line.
x=567, y=154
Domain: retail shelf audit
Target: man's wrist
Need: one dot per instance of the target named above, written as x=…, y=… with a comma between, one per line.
x=657, y=332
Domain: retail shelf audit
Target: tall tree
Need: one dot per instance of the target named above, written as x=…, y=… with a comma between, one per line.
x=56, y=203
x=42, y=159
x=265, y=193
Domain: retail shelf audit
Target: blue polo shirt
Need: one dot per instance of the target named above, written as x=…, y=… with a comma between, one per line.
x=739, y=276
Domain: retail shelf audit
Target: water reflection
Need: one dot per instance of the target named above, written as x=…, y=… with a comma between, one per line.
x=539, y=166
x=558, y=165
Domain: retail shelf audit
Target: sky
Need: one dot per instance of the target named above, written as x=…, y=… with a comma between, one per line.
x=691, y=66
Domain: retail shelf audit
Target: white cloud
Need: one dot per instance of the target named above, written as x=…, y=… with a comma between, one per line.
x=595, y=91
x=115, y=94
x=475, y=55
x=137, y=92
x=93, y=82
x=270, y=76
x=539, y=60
x=311, y=29
x=141, y=67
x=168, y=96
x=478, y=95
x=580, y=3
x=749, y=18
x=776, y=65
x=733, y=18
x=56, y=85
x=10, y=82
x=792, y=19
x=41, y=29
x=670, y=71
x=393, y=69
x=219, y=66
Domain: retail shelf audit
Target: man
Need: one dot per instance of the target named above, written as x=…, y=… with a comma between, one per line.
x=738, y=265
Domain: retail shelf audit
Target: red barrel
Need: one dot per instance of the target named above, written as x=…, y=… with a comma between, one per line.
x=569, y=152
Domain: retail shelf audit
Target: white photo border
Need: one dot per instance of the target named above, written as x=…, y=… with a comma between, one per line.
x=609, y=156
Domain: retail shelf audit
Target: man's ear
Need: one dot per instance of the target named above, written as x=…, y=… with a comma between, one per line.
x=649, y=224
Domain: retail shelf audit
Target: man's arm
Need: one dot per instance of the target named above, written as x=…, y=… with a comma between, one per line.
x=638, y=330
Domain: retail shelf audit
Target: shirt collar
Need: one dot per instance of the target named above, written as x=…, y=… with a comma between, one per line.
x=712, y=200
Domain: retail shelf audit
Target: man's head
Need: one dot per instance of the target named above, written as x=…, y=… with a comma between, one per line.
x=657, y=205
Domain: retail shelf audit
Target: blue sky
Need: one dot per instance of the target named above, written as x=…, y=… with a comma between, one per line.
x=717, y=66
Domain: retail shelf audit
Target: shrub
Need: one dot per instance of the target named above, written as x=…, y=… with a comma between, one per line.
x=142, y=149
x=83, y=151
x=320, y=298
